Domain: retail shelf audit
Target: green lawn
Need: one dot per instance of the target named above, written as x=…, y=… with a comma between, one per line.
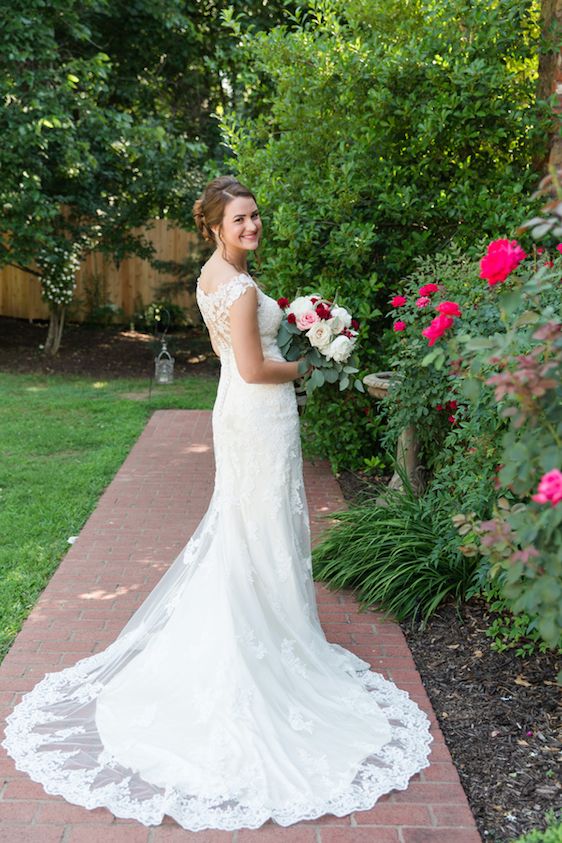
x=62, y=440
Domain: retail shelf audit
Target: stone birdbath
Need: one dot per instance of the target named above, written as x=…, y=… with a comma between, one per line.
x=407, y=447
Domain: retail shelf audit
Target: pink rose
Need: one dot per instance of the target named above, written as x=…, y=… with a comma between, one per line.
x=437, y=328
x=399, y=326
x=559, y=247
x=449, y=308
x=550, y=488
x=307, y=320
x=423, y=301
x=427, y=289
x=501, y=258
x=398, y=301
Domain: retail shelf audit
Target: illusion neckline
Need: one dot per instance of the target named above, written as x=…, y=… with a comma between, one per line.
x=223, y=284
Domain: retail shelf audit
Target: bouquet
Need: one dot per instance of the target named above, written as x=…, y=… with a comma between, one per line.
x=324, y=334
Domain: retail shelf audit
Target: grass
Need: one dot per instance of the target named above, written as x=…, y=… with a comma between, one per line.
x=62, y=440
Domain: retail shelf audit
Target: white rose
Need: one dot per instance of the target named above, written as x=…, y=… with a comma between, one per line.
x=300, y=306
x=343, y=315
x=336, y=323
x=320, y=335
x=340, y=349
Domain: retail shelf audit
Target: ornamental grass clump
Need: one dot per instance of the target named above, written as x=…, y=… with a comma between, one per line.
x=397, y=552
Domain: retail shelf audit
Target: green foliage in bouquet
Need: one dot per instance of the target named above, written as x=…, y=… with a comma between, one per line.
x=294, y=344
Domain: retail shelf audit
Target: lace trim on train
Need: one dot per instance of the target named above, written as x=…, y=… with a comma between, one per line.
x=357, y=789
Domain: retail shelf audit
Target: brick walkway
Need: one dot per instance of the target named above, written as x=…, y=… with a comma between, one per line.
x=140, y=525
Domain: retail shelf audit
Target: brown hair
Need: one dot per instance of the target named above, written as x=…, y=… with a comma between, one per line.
x=209, y=209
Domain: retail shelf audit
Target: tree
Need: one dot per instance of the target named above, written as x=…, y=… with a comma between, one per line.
x=109, y=121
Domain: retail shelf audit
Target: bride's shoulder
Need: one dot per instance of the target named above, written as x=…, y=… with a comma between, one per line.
x=213, y=282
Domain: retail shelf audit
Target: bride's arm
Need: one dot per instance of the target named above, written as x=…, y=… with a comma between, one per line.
x=246, y=344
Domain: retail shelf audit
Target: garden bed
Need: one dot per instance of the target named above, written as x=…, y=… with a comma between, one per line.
x=499, y=713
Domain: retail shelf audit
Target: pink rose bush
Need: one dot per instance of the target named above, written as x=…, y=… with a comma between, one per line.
x=399, y=325
x=398, y=301
x=322, y=333
x=486, y=403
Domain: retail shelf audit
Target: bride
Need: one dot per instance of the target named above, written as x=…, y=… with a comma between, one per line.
x=221, y=703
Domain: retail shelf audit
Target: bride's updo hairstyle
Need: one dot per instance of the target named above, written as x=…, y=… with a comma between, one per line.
x=209, y=209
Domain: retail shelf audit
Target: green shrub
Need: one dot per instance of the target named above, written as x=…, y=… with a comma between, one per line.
x=552, y=833
x=397, y=552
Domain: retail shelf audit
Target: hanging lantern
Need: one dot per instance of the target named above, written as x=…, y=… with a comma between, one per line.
x=164, y=365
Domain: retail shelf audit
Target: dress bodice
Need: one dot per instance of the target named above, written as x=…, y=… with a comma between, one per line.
x=215, y=310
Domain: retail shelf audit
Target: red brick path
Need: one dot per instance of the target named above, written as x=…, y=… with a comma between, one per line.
x=141, y=523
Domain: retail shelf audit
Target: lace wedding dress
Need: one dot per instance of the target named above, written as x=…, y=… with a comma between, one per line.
x=221, y=703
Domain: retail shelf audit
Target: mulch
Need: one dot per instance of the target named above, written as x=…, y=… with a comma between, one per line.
x=95, y=351
x=500, y=713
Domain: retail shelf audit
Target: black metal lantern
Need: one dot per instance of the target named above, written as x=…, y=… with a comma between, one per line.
x=164, y=363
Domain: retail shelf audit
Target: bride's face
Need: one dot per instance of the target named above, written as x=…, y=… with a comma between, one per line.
x=241, y=225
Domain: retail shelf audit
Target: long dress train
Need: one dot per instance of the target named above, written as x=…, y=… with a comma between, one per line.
x=221, y=703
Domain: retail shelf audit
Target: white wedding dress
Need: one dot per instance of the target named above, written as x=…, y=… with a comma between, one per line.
x=221, y=703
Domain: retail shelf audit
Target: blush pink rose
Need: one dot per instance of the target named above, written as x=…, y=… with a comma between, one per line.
x=307, y=320
x=501, y=258
x=437, y=328
x=423, y=301
x=550, y=488
x=449, y=308
x=399, y=326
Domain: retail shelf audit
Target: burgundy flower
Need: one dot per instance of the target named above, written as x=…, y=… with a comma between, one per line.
x=323, y=311
x=291, y=318
x=283, y=302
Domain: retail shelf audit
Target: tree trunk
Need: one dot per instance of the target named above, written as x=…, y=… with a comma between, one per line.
x=550, y=79
x=56, y=324
x=407, y=450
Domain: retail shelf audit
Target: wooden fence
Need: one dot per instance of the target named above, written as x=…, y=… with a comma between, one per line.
x=135, y=279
